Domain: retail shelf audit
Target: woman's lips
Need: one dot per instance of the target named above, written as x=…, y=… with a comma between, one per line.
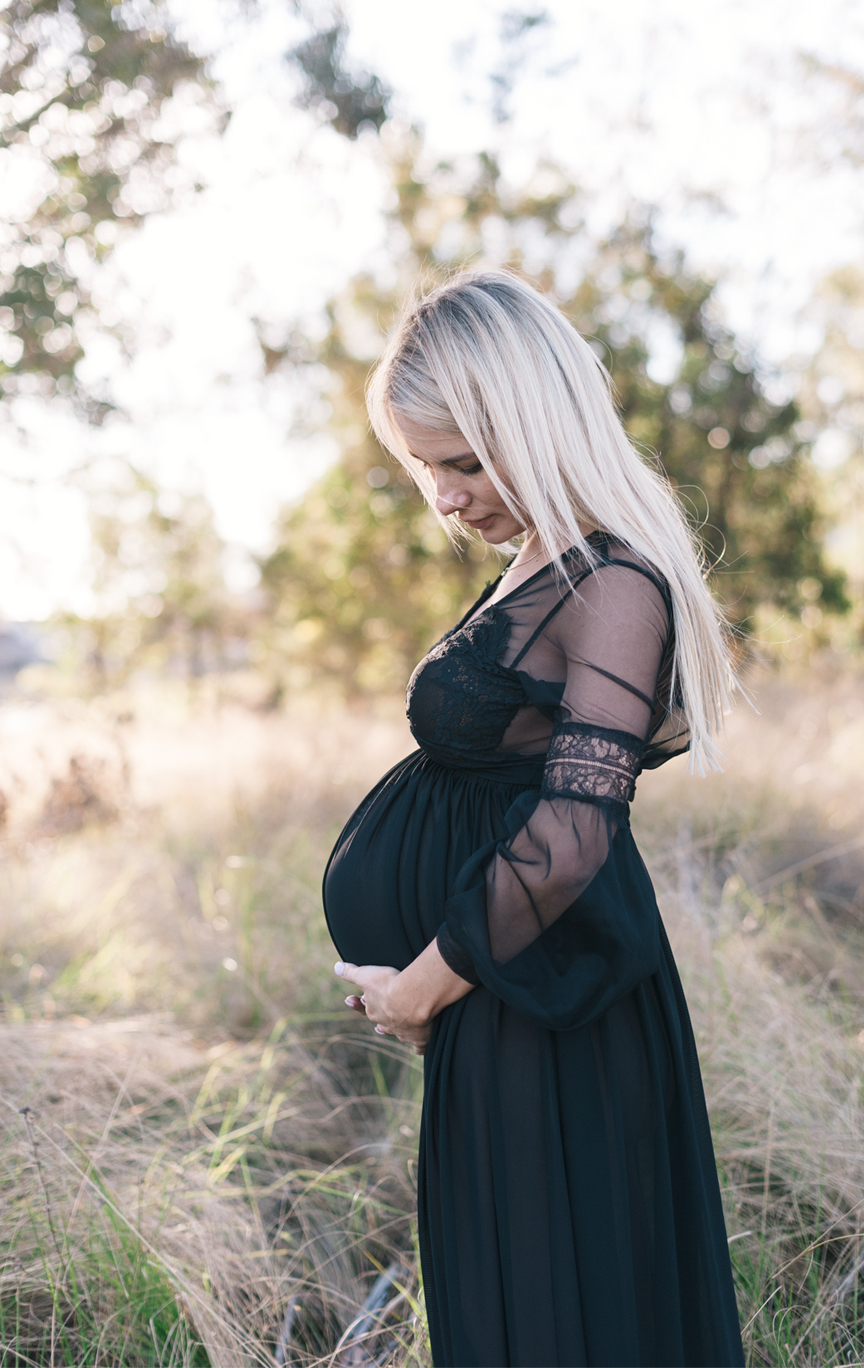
x=479, y=523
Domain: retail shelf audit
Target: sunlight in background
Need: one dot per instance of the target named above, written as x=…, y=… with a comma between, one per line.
x=704, y=112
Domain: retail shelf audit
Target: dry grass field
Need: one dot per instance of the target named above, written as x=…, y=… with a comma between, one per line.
x=205, y=1159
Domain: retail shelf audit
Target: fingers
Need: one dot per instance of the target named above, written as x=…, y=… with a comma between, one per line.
x=418, y=1046
x=363, y=974
x=345, y=971
x=374, y=980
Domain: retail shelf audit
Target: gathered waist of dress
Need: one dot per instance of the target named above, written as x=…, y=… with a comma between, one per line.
x=500, y=766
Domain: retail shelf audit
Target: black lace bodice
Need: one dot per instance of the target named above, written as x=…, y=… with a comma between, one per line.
x=576, y=669
x=461, y=700
x=570, y=675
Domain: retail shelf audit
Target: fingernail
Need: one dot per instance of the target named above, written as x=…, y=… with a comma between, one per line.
x=339, y=968
x=379, y=1030
x=349, y=1002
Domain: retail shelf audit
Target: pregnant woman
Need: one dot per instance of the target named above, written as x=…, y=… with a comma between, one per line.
x=487, y=897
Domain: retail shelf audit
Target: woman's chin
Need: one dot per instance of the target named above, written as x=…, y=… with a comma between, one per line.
x=495, y=530
x=497, y=534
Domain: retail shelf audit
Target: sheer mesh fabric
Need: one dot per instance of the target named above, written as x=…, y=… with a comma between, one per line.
x=573, y=667
x=607, y=639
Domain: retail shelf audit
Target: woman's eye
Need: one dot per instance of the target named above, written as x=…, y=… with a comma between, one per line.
x=471, y=470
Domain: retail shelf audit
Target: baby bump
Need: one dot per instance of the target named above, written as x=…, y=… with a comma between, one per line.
x=396, y=861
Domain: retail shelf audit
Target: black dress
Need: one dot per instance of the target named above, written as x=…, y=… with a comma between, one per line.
x=568, y=1199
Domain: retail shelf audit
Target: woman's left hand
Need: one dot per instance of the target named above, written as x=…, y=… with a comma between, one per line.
x=384, y=1005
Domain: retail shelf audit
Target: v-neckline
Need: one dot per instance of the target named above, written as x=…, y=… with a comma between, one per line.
x=484, y=601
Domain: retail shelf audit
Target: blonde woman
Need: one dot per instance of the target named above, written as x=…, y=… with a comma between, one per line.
x=487, y=897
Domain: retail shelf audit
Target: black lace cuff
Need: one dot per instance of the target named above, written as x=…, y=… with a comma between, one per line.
x=594, y=764
x=455, y=957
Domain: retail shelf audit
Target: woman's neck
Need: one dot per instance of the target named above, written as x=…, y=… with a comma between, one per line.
x=533, y=551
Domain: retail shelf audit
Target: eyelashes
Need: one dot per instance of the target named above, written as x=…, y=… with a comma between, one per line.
x=463, y=470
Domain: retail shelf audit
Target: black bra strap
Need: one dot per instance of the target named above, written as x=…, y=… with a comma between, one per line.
x=556, y=608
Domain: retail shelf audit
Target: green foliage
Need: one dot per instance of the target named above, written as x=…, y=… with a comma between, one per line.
x=82, y=86
x=739, y=461
x=84, y=1281
x=347, y=101
x=362, y=579
x=361, y=582
x=159, y=581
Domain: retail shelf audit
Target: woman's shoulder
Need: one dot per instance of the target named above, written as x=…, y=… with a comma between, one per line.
x=611, y=552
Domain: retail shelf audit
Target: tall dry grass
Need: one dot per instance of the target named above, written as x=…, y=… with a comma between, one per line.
x=204, y=1159
x=168, y=1203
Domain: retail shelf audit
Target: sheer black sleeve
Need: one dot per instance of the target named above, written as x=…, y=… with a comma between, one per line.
x=540, y=918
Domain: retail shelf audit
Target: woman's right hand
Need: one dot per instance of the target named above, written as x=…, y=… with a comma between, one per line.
x=416, y=1036
x=383, y=1004
x=405, y=1004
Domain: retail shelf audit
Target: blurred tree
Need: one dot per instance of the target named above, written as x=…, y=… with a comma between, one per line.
x=741, y=462
x=83, y=84
x=159, y=582
x=832, y=399
x=349, y=101
x=362, y=580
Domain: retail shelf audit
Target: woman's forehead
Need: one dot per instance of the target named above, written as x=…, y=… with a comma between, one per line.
x=430, y=445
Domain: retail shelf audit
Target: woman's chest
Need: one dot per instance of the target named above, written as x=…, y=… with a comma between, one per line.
x=462, y=697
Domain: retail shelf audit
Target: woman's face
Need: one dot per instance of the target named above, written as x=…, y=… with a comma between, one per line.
x=464, y=490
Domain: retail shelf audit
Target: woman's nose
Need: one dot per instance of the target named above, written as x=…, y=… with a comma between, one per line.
x=448, y=501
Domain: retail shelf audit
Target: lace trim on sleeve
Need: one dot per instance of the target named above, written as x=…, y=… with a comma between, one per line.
x=594, y=764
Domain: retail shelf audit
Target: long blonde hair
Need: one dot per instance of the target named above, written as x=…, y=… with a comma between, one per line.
x=487, y=356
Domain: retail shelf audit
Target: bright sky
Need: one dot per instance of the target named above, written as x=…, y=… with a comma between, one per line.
x=701, y=109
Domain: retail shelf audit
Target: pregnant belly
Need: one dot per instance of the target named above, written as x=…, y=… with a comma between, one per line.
x=396, y=862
